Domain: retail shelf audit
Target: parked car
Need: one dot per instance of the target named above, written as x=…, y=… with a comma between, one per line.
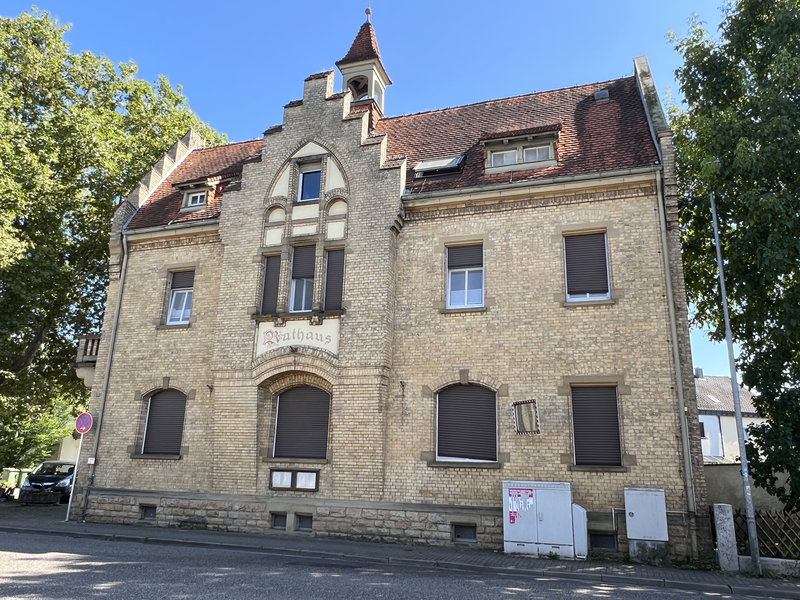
x=51, y=476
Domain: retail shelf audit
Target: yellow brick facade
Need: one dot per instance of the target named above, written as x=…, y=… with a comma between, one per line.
x=397, y=349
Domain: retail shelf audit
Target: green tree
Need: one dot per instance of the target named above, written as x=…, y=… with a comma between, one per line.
x=77, y=132
x=739, y=137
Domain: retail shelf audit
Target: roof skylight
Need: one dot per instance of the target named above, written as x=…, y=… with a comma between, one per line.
x=439, y=166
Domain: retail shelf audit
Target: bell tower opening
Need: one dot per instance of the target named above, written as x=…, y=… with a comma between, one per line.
x=363, y=74
x=359, y=87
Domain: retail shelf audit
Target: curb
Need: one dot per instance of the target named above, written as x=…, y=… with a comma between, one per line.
x=762, y=592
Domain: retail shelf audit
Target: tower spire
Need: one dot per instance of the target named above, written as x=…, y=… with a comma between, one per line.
x=362, y=69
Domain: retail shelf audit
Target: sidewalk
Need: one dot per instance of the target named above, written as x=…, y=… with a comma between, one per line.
x=50, y=520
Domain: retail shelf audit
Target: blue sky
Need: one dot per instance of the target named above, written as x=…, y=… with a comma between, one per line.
x=239, y=62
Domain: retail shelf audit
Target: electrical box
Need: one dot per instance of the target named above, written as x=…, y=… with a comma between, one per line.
x=646, y=514
x=538, y=518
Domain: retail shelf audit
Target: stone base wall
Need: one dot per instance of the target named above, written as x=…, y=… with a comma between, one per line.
x=383, y=522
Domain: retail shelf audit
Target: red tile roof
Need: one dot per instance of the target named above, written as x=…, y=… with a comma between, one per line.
x=365, y=46
x=594, y=136
x=221, y=164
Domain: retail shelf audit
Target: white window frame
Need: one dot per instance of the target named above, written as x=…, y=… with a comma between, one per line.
x=293, y=291
x=305, y=169
x=466, y=271
x=173, y=295
x=195, y=198
x=503, y=152
x=146, y=422
x=586, y=297
x=549, y=147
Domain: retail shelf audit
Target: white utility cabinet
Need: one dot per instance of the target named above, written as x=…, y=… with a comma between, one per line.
x=538, y=518
x=646, y=514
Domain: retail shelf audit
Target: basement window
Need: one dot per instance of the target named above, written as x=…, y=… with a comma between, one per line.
x=465, y=533
x=304, y=522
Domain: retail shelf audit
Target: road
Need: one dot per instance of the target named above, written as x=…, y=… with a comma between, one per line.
x=50, y=568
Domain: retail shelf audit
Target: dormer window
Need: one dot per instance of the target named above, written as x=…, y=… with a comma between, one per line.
x=537, y=153
x=310, y=181
x=534, y=148
x=195, y=198
x=504, y=157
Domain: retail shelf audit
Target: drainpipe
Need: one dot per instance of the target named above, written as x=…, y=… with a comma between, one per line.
x=104, y=393
x=676, y=357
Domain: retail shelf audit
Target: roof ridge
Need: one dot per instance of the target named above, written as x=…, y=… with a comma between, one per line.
x=228, y=145
x=570, y=87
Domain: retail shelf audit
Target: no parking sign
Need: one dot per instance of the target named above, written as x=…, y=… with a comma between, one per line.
x=83, y=423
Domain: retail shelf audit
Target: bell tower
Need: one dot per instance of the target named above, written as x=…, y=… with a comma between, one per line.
x=362, y=70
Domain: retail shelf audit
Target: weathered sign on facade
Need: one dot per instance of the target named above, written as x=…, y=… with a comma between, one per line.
x=298, y=333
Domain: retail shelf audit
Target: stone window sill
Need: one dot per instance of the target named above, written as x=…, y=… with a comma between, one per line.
x=577, y=303
x=598, y=469
x=456, y=464
x=297, y=461
x=158, y=456
x=454, y=311
x=168, y=327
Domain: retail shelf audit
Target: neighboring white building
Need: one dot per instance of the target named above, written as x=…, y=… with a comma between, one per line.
x=717, y=417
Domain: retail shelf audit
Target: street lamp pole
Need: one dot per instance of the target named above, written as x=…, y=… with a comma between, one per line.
x=752, y=534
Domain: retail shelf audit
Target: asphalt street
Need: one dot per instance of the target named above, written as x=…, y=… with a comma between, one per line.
x=46, y=567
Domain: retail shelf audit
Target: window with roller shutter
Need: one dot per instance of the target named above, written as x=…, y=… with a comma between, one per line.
x=301, y=424
x=272, y=275
x=595, y=426
x=465, y=276
x=302, y=289
x=334, y=279
x=163, y=430
x=466, y=424
x=180, y=297
x=586, y=267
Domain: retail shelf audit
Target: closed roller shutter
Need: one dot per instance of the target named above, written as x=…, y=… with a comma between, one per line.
x=334, y=277
x=467, y=423
x=164, y=429
x=182, y=280
x=272, y=275
x=587, y=270
x=301, y=430
x=303, y=262
x=460, y=257
x=595, y=423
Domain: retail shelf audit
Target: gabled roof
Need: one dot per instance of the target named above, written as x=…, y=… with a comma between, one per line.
x=714, y=394
x=593, y=137
x=365, y=46
x=221, y=164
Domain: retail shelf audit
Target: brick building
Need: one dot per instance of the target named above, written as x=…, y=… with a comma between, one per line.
x=360, y=326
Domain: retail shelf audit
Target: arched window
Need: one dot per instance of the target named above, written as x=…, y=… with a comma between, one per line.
x=466, y=424
x=163, y=429
x=301, y=424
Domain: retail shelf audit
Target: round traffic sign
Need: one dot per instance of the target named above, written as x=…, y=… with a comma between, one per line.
x=83, y=423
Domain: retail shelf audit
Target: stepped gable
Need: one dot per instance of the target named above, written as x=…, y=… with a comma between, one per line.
x=594, y=136
x=223, y=163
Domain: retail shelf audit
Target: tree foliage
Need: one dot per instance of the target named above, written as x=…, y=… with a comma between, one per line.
x=77, y=132
x=739, y=137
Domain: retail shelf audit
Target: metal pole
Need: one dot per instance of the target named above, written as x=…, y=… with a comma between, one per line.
x=752, y=534
x=74, y=477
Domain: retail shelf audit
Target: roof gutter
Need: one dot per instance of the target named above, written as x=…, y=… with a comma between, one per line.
x=171, y=227
x=676, y=357
x=536, y=183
